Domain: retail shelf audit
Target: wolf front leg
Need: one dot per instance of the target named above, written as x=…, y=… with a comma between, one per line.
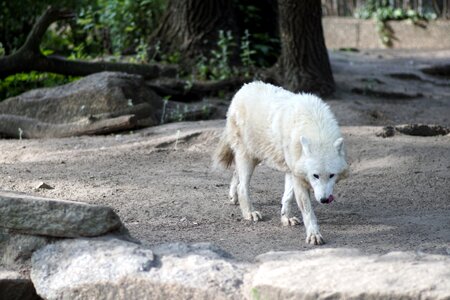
x=234, y=188
x=287, y=219
x=313, y=235
x=244, y=169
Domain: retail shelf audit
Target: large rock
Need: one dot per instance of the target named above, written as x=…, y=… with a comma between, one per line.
x=15, y=286
x=16, y=249
x=348, y=274
x=97, y=94
x=58, y=218
x=104, y=268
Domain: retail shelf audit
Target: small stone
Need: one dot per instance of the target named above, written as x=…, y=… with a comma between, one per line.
x=44, y=186
x=387, y=131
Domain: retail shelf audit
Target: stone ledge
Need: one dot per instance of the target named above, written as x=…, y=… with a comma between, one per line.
x=348, y=274
x=104, y=268
x=343, y=32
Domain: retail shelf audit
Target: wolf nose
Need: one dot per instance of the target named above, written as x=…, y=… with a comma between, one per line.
x=324, y=200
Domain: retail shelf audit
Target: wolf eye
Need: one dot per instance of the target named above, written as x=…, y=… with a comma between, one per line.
x=316, y=176
x=331, y=175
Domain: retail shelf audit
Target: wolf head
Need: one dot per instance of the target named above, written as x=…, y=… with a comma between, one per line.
x=321, y=165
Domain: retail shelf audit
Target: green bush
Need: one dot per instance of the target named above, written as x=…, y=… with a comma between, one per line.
x=103, y=26
x=18, y=17
x=382, y=11
x=16, y=84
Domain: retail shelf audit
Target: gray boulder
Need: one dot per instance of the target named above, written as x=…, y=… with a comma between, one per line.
x=105, y=268
x=348, y=274
x=101, y=93
x=58, y=218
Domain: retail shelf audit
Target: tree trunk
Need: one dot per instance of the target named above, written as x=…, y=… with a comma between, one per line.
x=304, y=58
x=190, y=27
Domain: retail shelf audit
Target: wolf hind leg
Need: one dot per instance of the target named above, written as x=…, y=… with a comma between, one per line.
x=234, y=188
x=287, y=218
x=244, y=169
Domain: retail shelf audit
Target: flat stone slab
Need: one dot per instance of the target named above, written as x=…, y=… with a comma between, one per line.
x=348, y=274
x=58, y=218
x=108, y=268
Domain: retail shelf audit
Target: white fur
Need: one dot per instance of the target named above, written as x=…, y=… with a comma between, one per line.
x=293, y=133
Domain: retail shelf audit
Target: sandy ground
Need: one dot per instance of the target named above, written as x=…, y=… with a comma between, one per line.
x=160, y=182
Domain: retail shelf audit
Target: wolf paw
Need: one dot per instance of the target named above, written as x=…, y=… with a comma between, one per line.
x=234, y=200
x=315, y=239
x=254, y=216
x=286, y=221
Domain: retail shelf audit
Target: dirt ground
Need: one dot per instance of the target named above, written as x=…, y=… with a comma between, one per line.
x=160, y=181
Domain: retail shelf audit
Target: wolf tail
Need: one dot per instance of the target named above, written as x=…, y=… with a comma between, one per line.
x=224, y=155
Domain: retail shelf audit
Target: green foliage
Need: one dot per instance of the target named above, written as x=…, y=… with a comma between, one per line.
x=141, y=53
x=16, y=84
x=17, y=18
x=267, y=49
x=258, y=18
x=382, y=12
x=103, y=26
x=220, y=60
x=127, y=21
x=246, y=53
x=256, y=295
x=218, y=66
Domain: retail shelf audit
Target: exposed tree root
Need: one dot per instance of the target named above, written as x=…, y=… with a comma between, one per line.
x=414, y=129
x=29, y=57
x=438, y=70
x=184, y=91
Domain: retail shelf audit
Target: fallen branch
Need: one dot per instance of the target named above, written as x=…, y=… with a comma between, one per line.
x=438, y=70
x=185, y=91
x=29, y=57
x=23, y=127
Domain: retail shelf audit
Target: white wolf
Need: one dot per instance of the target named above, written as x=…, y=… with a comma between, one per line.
x=294, y=133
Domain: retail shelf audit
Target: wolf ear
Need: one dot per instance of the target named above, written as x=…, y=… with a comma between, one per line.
x=305, y=145
x=339, y=145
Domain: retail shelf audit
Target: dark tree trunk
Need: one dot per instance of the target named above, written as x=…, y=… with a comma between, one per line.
x=191, y=27
x=304, y=58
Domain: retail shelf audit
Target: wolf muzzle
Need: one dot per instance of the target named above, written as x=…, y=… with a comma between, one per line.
x=327, y=200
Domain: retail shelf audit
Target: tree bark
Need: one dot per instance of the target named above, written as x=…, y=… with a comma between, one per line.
x=304, y=61
x=29, y=57
x=191, y=27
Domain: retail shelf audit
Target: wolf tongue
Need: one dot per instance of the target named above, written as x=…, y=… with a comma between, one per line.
x=330, y=199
